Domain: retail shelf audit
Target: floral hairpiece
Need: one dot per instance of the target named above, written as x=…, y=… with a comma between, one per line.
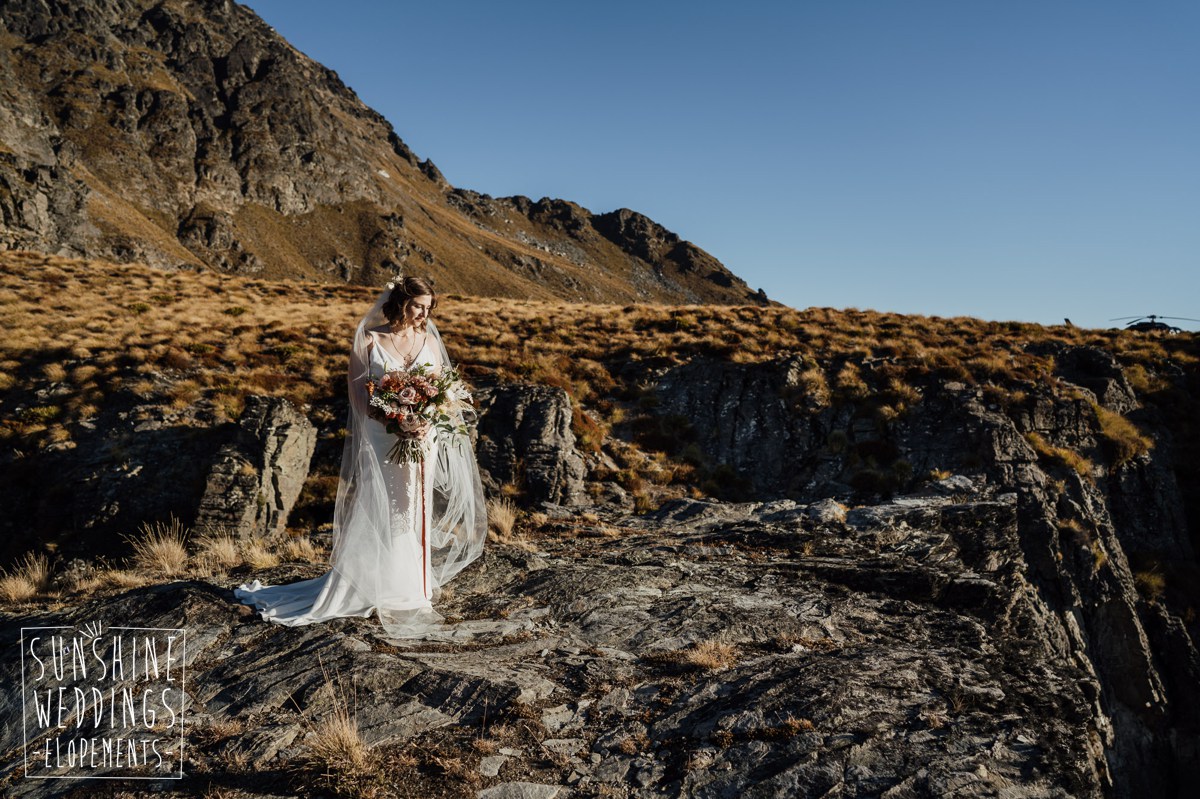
x=395, y=281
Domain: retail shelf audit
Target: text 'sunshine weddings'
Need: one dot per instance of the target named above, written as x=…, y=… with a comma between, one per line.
x=97, y=705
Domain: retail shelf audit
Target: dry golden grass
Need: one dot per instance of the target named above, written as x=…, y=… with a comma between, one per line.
x=112, y=579
x=291, y=339
x=1150, y=583
x=219, y=551
x=795, y=726
x=29, y=577
x=1061, y=455
x=160, y=552
x=336, y=758
x=337, y=743
x=300, y=548
x=502, y=516
x=849, y=383
x=711, y=655
x=706, y=655
x=502, y=520
x=220, y=729
x=161, y=548
x=1126, y=441
x=259, y=555
x=486, y=746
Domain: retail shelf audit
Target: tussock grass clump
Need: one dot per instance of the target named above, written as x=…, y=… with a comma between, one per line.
x=258, y=555
x=1121, y=435
x=1082, y=535
x=110, y=579
x=161, y=548
x=300, y=548
x=28, y=578
x=502, y=524
x=336, y=757
x=502, y=517
x=219, y=550
x=711, y=655
x=815, y=387
x=706, y=655
x=849, y=383
x=1062, y=456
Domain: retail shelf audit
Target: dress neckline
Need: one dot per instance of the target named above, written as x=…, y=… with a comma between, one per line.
x=388, y=357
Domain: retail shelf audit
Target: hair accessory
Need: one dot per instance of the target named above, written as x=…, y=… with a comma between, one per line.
x=395, y=281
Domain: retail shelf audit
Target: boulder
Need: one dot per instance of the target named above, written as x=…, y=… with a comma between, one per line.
x=256, y=478
x=525, y=439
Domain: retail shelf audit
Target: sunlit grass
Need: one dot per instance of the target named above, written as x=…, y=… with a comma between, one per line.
x=29, y=577
x=291, y=339
x=160, y=548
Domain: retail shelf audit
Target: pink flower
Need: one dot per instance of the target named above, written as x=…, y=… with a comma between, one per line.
x=408, y=395
x=430, y=391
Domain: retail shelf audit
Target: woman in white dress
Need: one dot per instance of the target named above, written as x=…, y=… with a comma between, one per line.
x=400, y=530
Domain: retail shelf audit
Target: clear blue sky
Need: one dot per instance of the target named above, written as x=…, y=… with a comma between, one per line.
x=1007, y=159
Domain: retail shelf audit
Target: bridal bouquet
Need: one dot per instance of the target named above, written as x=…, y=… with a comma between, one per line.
x=409, y=403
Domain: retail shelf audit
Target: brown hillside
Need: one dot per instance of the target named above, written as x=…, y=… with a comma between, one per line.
x=189, y=133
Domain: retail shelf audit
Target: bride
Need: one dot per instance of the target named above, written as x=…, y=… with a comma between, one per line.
x=400, y=530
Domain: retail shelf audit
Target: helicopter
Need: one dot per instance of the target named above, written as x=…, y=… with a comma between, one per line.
x=1150, y=323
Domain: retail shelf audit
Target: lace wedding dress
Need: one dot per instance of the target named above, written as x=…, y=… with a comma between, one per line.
x=401, y=530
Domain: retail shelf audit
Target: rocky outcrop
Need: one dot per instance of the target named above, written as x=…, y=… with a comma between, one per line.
x=134, y=464
x=41, y=206
x=708, y=649
x=1077, y=524
x=664, y=250
x=525, y=440
x=129, y=465
x=257, y=477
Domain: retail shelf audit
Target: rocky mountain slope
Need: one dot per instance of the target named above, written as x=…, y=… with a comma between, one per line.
x=885, y=556
x=187, y=133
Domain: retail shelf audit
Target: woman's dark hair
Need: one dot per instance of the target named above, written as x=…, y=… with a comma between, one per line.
x=406, y=290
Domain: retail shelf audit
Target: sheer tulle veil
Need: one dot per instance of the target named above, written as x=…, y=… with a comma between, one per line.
x=362, y=534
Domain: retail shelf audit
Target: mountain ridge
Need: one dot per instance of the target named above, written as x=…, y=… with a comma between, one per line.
x=187, y=133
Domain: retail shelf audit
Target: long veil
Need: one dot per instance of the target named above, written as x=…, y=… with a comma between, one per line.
x=362, y=535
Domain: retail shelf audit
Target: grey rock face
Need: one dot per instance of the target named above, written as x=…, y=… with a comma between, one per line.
x=1094, y=370
x=40, y=206
x=1075, y=529
x=131, y=465
x=705, y=652
x=257, y=477
x=742, y=419
x=525, y=438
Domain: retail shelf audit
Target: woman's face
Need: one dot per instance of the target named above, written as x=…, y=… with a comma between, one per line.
x=418, y=310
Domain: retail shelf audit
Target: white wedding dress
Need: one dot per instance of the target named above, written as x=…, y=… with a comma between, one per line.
x=402, y=586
